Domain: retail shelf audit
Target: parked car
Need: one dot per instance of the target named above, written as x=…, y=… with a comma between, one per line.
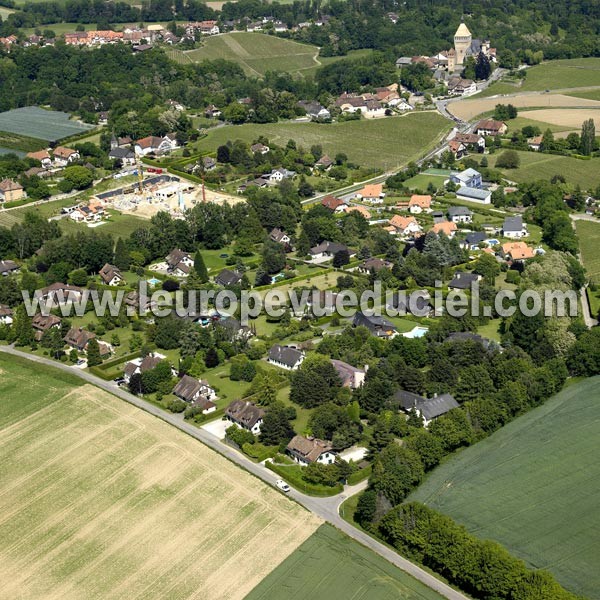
x=282, y=485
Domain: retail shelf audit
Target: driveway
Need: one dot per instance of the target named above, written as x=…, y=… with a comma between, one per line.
x=216, y=428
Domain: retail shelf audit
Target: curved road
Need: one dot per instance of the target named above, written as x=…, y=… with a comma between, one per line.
x=326, y=508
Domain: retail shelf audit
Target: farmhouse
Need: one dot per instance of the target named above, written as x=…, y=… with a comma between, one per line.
x=307, y=450
x=351, y=377
x=227, y=278
x=428, y=409
x=470, y=140
x=197, y=392
x=42, y=323
x=514, y=227
x=8, y=267
x=10, y=191
x=377, y=325
x=372, y=193
x=111, y=275
x=490, y=127
x=64, y=156
x=245, y=415
x=285, y=357
x=43, y=156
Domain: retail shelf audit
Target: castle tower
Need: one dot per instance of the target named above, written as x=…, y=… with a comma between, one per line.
x=462, y=43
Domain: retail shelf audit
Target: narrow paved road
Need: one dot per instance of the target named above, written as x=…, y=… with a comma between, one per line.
x=326, y=508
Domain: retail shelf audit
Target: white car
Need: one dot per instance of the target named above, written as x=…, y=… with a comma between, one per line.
x=282, y=485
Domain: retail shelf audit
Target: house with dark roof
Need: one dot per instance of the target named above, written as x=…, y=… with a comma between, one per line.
x=197, y=392
x=471, y=194
x=125, y=155
x=307, y=450
x=374, y=265
x=428, y=409
x=111, y=275
x=463, y=281
x=78, y=338
x=377, y=325
x=473, y=239
x=285, y=357
x=327, y=250
x=351, y=377
x=468, y=336
x=460, y=214
x=139, y=302
x=279, y=236
x=514, y=227
x=42, y=323
x=334, y=204
x=228, y=278
x=6, y=315
x=245, y=415
x=60, y=293
x=179, y=263
x=315, y=110
x=8, y=267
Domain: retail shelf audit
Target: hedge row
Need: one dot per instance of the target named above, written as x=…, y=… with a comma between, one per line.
x=294, y=477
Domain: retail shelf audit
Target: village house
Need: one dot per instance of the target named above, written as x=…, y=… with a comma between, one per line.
x=405, y=226
x=448, y=228
x=43, y=156
x=513, y=227
x=111, y=275
x=10, y=191
x=63, y=156
x=179, y=263
x=473, y=239
x=374, y=265
x=196, y=392
x=419, y=203
x=457, y=86
x=463, y=280
x=460, y=214
x=324, y=163
x=359, y=209
x=245, y=415
x=140, y=365
x=87, y=213
x=457, y=148
x=470, y=140
x=156, y=145
x=60, y=293
x=138, y=302
x=212, y=112
x=8, y=267
x=278, y=175
x=203, y=27
x=281, y=237
x=535, y=143
x=315, y=110
x=285, y=357
x=125, y=155
x=350, y=376
x=428, y=409
x=259, y=149
x=517, y=251
x=228, y=278
x=42, y=323
x=372, y=193
x=334, y=204
x=308, y=450
x=474, y=195
x=490, y=127
x=6, y=315
x=327, y=250
x=79, y=338
x=377, y=325
x=469, y=178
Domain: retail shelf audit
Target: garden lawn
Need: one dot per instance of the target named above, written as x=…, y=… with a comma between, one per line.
x=589, y=242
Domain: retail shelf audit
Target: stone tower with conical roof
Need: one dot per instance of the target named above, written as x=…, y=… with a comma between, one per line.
x=462, y=43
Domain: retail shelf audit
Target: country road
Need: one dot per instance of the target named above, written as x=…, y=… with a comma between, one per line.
x=326, y=508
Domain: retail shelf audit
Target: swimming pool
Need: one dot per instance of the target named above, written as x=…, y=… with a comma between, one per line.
x=154, y=281
x=416, y=332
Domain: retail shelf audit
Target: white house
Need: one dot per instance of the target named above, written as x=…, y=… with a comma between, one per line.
x=285, y=357
x=111, y=275
x=307, y=450
x=460, y=214
x=156, y=145
x=514, y=227
x=245, y=415
x=197, y=392
x=278, y=175
x=64, y=156
x=372, y=193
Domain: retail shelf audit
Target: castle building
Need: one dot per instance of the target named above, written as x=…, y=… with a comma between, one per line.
x=462, y=44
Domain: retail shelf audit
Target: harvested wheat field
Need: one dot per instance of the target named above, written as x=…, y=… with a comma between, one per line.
x=469, y=109
x=100, y=500
x=565, y=117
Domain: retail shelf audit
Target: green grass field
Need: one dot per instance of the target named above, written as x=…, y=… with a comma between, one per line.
x=257, y=53
x=536, y=165
x=588, y=95
x=589, y=242
x=100, y=499
x=522, y=121
x=331, y=565
x=384, y=143
x=119, y=225
x=532, y=486
x=552, y=75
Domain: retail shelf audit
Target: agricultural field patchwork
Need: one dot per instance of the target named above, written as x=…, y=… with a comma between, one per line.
x=532, y=486
x=404, y=138
x=331, y=565
x=40, y=124
x=101, y=500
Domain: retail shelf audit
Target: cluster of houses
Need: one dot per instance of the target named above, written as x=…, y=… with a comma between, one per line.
x=268, y=179
x=373, y=105
x=86, y=212
x=447, y=65
x=55, y=158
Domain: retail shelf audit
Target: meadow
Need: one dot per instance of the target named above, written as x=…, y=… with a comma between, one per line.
x=532, y=486
x=589, y=242
x=331, y=565
x=383, y=143
x=536, y=165
x=37, y=123
x=101, y=500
